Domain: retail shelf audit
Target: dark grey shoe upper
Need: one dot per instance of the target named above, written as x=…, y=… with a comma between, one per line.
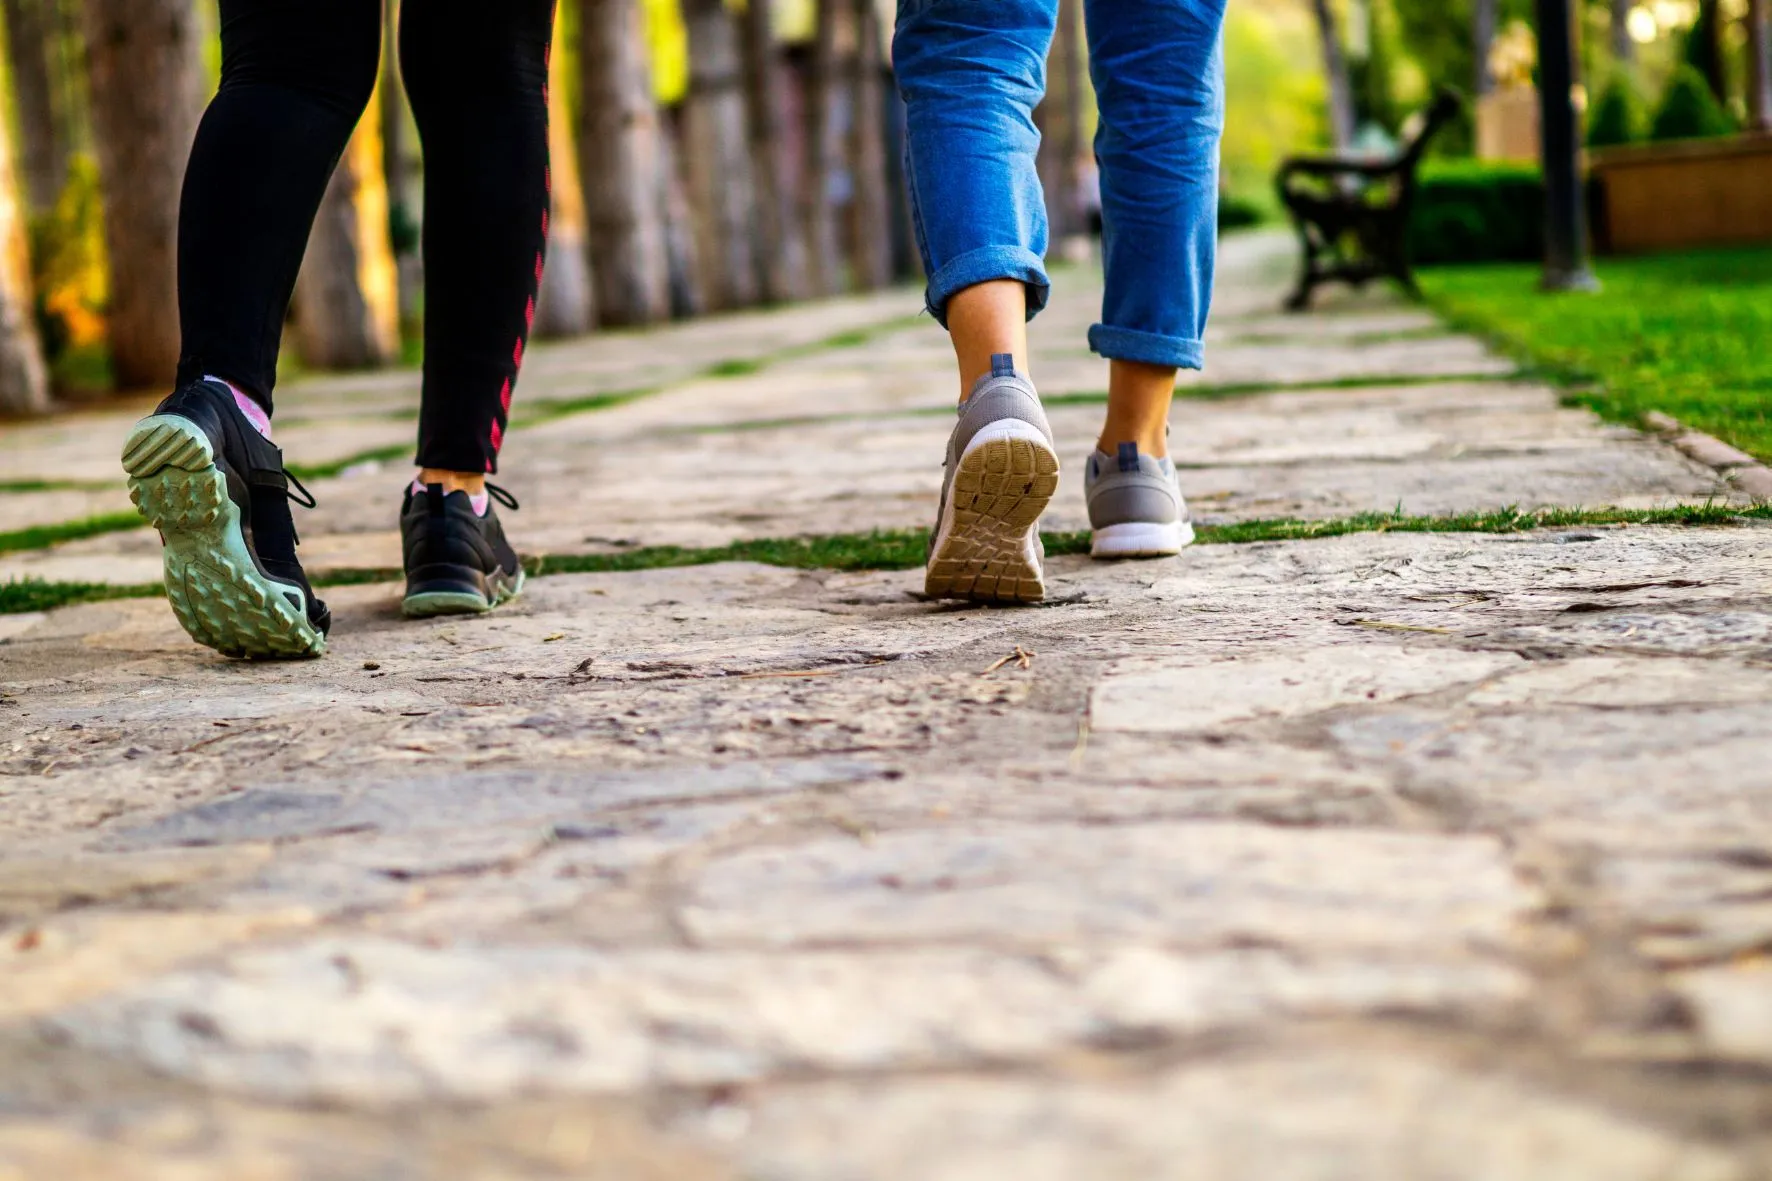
x=451, y=548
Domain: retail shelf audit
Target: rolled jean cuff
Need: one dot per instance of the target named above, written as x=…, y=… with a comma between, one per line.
x=1148, y=348
x=983, y=266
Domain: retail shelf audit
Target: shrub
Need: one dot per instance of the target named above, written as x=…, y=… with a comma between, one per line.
x=1236, y=213
x=1477, y=212
x=1619, y=116
x=1689, y=110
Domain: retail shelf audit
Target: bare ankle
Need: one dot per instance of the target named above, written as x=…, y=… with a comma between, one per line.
x=473, y=483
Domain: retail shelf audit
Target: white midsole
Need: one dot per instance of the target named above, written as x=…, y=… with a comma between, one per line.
x=1141, y=539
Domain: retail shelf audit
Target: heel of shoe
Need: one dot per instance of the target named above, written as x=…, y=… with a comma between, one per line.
x=987, y=546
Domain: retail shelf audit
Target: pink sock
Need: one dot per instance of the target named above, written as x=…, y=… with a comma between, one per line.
x=255, y=414
x=481, y=502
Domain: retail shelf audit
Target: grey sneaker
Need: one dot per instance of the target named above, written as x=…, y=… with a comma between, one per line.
x=1002, y=469
x=1135, y=506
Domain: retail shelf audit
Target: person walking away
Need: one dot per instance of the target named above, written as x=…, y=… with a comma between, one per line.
x=296, y=77
x=971, y=73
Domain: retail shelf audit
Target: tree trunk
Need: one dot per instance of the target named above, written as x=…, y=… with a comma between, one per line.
x=1060, y=120
x=722, y=193
x=778, y=232
x=1759, y=64
x=397, y=167
x=688, y=297
x=1704, y=48
x=620, y=153
x=1341, y=92
x=347, y=298
x=24, y=388
x=144, y=67
x=870, y=213
x=566, y=305
x=1483, y=21
x=1624, y=49
x=823, y=153
x=43, y=146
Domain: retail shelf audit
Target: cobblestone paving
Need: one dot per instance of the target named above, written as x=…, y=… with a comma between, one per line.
x=1413, y=856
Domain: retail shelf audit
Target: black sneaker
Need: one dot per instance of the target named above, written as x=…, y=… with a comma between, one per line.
x=457, y=561
x=216, y=490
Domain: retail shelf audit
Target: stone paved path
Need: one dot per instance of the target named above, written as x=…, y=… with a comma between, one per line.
x=1396, y=856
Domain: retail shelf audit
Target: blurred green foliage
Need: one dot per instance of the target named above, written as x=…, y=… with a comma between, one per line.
x=1274, y=94
x=1690, y=110
x=1469, y=211
x=1620, y=116
x=71, y=279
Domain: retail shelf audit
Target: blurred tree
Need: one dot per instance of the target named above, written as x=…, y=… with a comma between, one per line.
x=145, y=71
x=1624, y=48
x=1689, y=109
x=1484, y=14
x=870, y=212
x=1758, y=22
x=566, y=305
x=1373, y=73
x=823, y=149
x=1274, y=93
x=778, y=231
x=24, y=386
x=1618, y=117
x=39, y=103
x=398, y=167
x=622, y=157
x=688, y=295
x=1335, y=73
x=717, y=162
x=347, y=296
x=1060, y=120
x=1703, y=48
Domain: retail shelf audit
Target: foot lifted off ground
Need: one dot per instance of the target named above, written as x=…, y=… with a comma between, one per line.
x=987, y=544
x=217, y=592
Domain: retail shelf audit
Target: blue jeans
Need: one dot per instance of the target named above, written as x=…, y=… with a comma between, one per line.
x=971, y=73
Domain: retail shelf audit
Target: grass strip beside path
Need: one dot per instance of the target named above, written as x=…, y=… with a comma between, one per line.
x=43, y=536
x=1685, y=334
x=903, y=549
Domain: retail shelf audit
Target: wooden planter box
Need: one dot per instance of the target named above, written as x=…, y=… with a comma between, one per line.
x=1674, y=196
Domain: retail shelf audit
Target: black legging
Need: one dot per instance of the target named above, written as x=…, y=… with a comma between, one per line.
x=296, y=76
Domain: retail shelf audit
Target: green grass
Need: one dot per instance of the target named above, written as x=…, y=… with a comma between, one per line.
x=1686, y=334
x=903, y=549
x=55, y=486
x=43, y=536
x=33, y=594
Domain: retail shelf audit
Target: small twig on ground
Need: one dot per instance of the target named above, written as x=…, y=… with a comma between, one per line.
x=1082, y=747
x=1021, y=656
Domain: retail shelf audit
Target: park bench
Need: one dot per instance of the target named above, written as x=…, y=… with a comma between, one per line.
x=1352, y=212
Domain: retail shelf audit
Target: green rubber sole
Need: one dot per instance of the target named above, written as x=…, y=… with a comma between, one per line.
x=216, y=590
x=430, y=604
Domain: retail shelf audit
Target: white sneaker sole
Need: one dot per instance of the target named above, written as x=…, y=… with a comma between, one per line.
x=1141, y=539
x=987, y=543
